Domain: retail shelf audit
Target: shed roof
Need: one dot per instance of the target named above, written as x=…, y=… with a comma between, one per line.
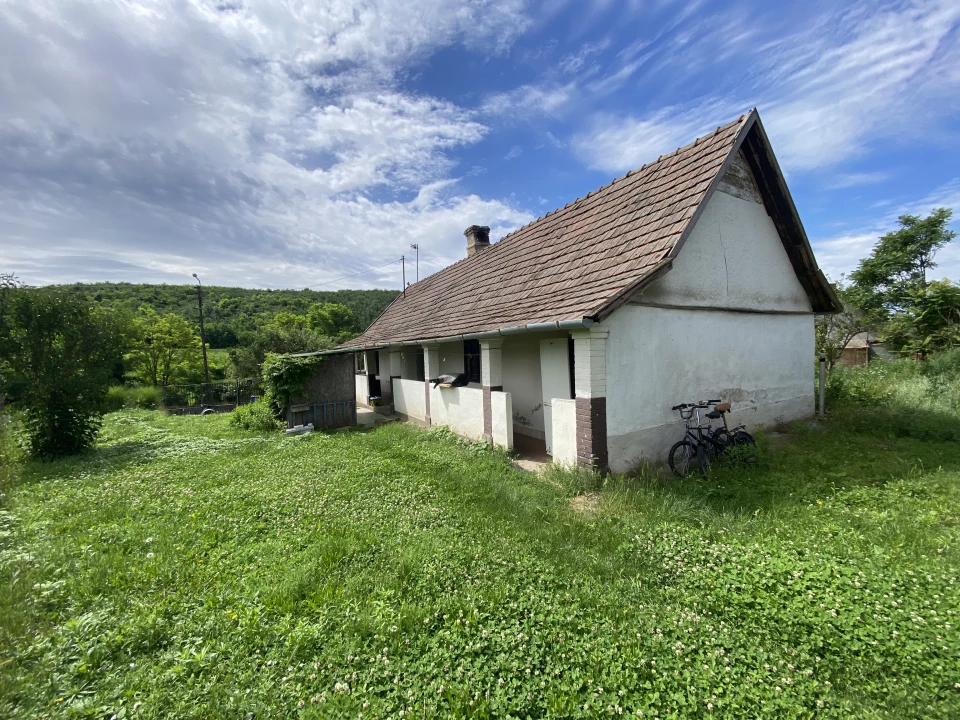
x=586, y=259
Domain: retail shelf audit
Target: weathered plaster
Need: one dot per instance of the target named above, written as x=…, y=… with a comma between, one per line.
x=733, y=258
x=565, y=432
x=658, y=358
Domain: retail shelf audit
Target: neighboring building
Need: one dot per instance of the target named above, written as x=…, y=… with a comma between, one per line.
x=690, y=278
x=857, y=351
x=863, y=349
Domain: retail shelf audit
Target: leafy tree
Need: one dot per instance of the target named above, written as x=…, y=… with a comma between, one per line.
x=887, y=281
x=165, y=349
x=286, y=321
x=58, y=350
x=331, y=319
x=281, y=339
x=834, y=331
x=930, y=322
x=891, y=287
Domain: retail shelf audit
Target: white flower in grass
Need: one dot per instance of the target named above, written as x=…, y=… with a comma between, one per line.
x=149, y=556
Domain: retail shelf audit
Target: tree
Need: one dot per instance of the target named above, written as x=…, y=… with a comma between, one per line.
x=835, y=330
x=891, y=287
x=58, y=351
x=886, y=281
x=165, y=349
x=331, y=319
x=931, y=322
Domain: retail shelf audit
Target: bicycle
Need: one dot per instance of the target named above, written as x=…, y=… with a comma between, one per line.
x=698, y=441
x=736, y=439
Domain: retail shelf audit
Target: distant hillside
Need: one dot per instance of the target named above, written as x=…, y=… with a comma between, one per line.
x=230, y=311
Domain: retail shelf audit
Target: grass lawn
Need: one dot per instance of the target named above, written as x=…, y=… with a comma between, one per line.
x=187, y=569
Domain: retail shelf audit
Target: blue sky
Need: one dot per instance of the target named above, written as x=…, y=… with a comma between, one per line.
x=283, y=144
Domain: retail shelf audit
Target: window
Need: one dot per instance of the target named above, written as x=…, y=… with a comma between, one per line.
x=376, y=356
x=471, y=360
x=360, y=362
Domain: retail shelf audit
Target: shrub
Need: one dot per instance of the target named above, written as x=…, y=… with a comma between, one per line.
x=255, y=416
x=58, y=351
x=10, y=429
x=115, y=399
x=146, y=397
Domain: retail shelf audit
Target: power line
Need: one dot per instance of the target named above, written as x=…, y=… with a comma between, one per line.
x=362, y=272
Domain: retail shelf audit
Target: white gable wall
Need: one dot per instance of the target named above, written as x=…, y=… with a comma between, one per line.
x=690, y=339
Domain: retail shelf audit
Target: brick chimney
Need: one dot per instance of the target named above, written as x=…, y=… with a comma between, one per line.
x=478, y=238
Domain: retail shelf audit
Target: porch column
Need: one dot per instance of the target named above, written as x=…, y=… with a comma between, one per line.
x=394, y=366
x=590, y=384
x=491, y=377
x=431, y=369
x=386, y=384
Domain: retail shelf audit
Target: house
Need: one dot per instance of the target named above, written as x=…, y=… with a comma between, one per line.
x=690, y=278
x=862, y=349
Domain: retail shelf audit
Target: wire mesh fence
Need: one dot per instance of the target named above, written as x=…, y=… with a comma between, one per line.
x=229, y=392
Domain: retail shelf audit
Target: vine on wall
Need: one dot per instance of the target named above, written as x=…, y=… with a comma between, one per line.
x=285, y=377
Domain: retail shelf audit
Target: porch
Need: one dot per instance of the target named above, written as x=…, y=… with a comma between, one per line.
x=538, y=393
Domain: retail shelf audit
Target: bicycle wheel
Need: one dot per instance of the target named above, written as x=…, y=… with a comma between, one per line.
x=721, y=440
x=744, y=446
x=703, y=459
x=682, y=458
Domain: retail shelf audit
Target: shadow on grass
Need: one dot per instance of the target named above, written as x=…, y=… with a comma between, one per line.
x=855, y=447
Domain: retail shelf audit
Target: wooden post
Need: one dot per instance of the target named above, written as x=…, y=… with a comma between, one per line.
x=823, y=382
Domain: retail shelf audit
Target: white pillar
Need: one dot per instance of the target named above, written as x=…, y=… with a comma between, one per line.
x=491, y=377
x=431, y=369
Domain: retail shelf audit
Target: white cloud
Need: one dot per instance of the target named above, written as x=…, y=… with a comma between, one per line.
x=261, y=143
x=825, y=91
x=841, y=181
x=613, y=143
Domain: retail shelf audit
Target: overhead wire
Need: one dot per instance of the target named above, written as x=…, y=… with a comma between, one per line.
x=347, y=277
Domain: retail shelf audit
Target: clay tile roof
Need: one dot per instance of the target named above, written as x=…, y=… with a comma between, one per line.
x=570, y=263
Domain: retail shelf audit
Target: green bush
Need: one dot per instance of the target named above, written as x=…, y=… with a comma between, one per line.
x=119, y=397
x=255, y=416
x=115, y=399
x=58, y=351
x=10, y=428
x=146, y=397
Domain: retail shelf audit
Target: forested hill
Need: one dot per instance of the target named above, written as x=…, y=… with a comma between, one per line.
x=231, y=311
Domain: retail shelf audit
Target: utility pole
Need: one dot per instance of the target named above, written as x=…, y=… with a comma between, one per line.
x=203, y=337
x=403, y=265
x=416, y=246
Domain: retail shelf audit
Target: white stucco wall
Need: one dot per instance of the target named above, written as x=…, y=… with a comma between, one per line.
x=658, y=357
x=362, y=389
x=459, y=408
x=732, y=258
x=521, y=378
x=451, y=358
x=565, y=432
x=501, y=409
x=409, y=399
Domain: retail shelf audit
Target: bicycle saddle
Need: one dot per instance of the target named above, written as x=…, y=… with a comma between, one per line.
x=722, y=407
x=713, y=415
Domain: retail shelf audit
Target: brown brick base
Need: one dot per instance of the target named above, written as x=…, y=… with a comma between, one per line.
x=488, y=411
x=592, y=432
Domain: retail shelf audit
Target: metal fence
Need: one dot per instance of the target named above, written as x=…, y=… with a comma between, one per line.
x=230, y=392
